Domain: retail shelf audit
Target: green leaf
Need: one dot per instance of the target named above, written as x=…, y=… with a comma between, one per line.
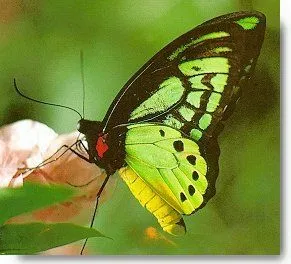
x=35, y=237
x=32, y=196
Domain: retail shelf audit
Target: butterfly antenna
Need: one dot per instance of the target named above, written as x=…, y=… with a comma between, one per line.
x=42, y=102
x=83, y=79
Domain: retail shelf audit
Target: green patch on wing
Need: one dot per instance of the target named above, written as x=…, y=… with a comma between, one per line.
x=248, y=23
x=194, y=98
x=171, y=121
x=209, y=36
x=221, y=49
x=197, y=82
x=213, y=102
x=145, y=133
x=195, y=134
x=205, y=121
x=169, y=163
x=205, y=65
x=219, y=81
x=186, y=113
x=169, y=93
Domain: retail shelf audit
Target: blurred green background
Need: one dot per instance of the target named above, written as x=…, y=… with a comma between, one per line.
x=39, y=45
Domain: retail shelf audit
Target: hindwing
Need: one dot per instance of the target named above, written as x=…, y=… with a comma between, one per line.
x=172, y=164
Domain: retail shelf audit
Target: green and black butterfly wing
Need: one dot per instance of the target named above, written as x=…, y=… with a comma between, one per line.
x=187, y=89
x=169, y=162
x=194, y=82
x=167, y=172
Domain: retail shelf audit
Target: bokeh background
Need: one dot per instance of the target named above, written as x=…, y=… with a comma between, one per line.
x=40, y=43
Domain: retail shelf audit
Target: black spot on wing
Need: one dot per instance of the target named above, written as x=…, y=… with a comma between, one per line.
x=191, y=190
x=195, y=175
x=178, y=145
x=191, y=159
x=183, y=197
x=162, y=132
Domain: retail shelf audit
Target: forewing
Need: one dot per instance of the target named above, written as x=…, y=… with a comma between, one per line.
x=194, y=82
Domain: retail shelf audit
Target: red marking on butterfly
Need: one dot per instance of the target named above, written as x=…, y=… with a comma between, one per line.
x=101, y=146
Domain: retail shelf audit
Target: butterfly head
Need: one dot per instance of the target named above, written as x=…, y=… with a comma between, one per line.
x=94, y=136
x=88, y=127
x=97, y=140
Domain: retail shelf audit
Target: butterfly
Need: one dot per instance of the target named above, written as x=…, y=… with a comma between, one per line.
x=160, y=132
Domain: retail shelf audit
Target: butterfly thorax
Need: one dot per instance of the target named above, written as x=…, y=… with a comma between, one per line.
x=105, y=148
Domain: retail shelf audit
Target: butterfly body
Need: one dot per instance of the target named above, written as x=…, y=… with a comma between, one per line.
x=161, y=130
x=105, y=149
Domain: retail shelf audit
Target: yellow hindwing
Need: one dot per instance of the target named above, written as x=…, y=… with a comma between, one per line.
x=170, y=220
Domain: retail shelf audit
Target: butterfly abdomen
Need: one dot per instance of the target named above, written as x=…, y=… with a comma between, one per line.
x=169, y=219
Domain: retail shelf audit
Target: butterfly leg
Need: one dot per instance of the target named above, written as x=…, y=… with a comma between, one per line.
x=50, y=160
x=47, y=161
x=95, y=209
x=77, y=153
